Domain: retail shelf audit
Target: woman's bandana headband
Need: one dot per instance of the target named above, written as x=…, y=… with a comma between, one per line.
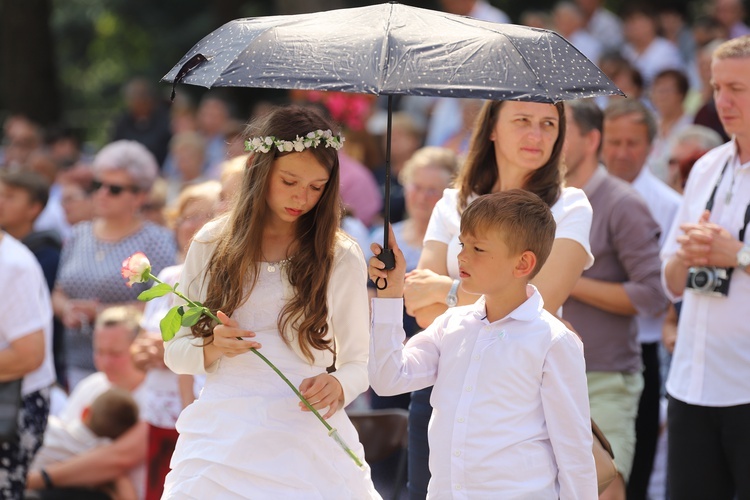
x=311, y=140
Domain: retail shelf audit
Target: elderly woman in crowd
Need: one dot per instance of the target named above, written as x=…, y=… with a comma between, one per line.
x=89, y=273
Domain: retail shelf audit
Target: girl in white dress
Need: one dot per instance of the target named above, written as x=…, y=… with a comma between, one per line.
x=288, y=282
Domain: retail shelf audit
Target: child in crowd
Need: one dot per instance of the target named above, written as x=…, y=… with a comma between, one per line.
x=511, y=411
x=107, y=418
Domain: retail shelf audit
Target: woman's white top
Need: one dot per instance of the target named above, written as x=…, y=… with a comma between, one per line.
x=348, y=314
x=25, y=307
x=572, y=213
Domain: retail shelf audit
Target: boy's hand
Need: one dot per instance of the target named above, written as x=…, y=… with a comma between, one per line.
x=395, y=276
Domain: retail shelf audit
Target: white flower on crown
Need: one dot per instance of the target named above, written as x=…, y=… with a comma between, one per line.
x=310, y=140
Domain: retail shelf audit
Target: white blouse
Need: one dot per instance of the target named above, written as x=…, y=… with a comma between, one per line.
x=572, y=213
x=348, y=314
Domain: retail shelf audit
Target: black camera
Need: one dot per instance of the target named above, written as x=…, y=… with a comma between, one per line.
x=710, y=280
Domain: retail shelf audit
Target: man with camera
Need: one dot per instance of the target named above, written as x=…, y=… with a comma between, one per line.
x=706, y=261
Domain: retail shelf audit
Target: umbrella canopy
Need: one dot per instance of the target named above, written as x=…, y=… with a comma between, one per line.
x=393, y=49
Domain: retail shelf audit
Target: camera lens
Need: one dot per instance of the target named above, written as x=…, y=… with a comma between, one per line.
x=700, y=279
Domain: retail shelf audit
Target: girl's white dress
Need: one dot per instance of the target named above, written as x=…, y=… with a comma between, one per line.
x=246, y=437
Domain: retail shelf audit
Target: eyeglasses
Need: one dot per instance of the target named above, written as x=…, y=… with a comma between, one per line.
x=114, y=189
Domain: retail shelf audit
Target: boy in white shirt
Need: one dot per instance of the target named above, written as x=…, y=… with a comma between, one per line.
x=511, y=412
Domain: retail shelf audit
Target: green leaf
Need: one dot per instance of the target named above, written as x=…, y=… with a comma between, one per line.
x=155, y=291
x=192, y=316
x=170, y=324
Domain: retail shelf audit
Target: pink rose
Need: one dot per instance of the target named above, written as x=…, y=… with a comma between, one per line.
x=136, y=269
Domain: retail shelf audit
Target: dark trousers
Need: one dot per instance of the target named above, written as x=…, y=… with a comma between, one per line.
x=419, y=448
x=709, y=453
x=646, y=424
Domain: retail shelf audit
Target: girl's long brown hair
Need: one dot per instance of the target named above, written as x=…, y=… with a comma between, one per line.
x=239, y=244
x=480, y=172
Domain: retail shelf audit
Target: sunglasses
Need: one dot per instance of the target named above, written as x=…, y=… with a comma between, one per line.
x=114, y=189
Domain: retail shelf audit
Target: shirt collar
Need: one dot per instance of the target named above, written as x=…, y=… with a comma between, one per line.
x=529, y=310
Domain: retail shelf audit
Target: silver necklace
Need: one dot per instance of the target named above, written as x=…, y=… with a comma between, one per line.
x=272, y=266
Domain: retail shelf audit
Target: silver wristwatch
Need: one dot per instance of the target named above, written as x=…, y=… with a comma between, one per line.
x=743, y=257
x=452, y=298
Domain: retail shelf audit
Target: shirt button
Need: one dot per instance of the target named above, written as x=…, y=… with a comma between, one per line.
x=457, y=453
x=458, y=486
x=468, y=389
x=477, y=357
x=461, y=420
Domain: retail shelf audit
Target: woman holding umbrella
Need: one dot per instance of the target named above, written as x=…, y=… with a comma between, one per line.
x=515, y=145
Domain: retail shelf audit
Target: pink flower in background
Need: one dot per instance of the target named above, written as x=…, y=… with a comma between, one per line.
x=351, y=110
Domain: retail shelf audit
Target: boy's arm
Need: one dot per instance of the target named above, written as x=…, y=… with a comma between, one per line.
x=394, y=368
x=100, y=465
x=565, y=404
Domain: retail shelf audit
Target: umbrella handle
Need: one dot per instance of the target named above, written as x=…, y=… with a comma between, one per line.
x=388, y=258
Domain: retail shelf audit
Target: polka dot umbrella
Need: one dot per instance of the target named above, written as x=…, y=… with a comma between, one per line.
x=391, y=49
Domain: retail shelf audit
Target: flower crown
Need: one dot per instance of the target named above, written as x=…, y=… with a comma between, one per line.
x=311, y=140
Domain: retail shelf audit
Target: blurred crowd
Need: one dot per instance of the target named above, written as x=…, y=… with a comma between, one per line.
x=171, y=167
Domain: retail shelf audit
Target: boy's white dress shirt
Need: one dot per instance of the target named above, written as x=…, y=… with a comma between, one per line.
x=511, y=411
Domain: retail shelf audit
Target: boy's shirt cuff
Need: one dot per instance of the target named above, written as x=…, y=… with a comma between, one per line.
x=390, y=311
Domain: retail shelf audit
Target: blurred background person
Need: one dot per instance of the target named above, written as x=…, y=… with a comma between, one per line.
x=459, y=141
x=76, y=201
x=568, y=20
x=602, y=24
x=667, y=96
x=80, y=475
x=645, y=49
x=622, y=283
x=231, y=179
x=163, y=402
x=478, y=9
x=89, y=273
x=156, y=201
x=629, y=132
x=145, y=119
x=406, y=138
x=688, y=146
x=188, y=150
x=25, y=354
x=22, y=137
x=731, y=15
x=23, y=195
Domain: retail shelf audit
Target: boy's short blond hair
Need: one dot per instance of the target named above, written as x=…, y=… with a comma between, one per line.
x=521, y=218
x=113, y=413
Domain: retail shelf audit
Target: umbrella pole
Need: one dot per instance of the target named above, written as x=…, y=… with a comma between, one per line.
x=387, y=256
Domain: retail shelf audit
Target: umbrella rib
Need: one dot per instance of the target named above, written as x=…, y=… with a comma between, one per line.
x=385, y=53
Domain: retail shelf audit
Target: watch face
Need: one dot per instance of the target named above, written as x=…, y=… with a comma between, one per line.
x=743, y=257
